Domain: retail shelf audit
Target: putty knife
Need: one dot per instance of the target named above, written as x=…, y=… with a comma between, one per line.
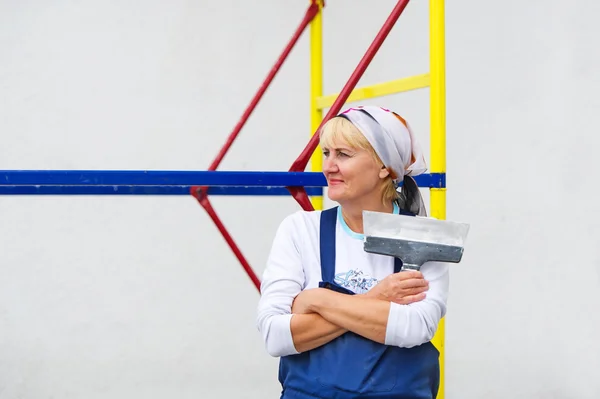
x=414, y=239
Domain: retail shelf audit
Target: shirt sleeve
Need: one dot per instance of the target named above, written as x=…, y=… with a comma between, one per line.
x=416, y=323
x=283, y=279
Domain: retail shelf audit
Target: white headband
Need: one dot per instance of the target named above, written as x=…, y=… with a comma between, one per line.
x=392, y=140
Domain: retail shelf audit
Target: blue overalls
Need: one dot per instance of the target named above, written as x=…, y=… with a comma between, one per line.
x=351, y=366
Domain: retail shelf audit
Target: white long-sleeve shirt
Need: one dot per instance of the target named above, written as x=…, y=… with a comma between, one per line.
x=294, y=265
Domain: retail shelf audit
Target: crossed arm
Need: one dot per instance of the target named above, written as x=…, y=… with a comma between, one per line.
x=403, y=310
x=321, y=315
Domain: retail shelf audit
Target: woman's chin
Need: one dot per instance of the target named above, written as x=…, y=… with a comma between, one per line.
x=335, y=194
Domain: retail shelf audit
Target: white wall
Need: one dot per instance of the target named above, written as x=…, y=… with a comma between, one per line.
x=106, y=297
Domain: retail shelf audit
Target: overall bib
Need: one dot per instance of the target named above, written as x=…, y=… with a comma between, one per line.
x=351, y=366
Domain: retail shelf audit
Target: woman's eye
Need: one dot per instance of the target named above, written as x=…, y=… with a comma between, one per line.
x=342, y=154
x=326, y=153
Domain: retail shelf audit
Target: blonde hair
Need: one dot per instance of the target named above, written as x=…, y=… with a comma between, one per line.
x=340, y=129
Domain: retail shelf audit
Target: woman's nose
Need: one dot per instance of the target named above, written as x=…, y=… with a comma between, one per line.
x=329, y=165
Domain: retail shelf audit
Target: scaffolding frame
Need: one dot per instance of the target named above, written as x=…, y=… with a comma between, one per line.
x=435, y=80
x=305, y=187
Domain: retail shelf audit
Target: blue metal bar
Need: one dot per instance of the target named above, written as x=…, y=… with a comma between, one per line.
x=86, y=182
x=432, y=180
x=144, y=190
x=160, y=178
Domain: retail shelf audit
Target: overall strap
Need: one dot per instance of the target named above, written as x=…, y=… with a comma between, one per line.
x=397, y=265
x=327, y=243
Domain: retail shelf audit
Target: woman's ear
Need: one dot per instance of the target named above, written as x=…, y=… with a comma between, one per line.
x=383, y=173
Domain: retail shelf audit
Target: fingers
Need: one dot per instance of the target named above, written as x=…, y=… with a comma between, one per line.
x=410, y=291
x=407, y=300
x=405, y=275
x=413, y=283
x=407, y=278
x=412, y=294
x=416, y=290
x=408, y=274
x=403, y=287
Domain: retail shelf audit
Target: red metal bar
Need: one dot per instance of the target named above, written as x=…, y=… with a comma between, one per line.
x=201, y=193
x=299, y=193
x=301, y=197
x=211, y=212
x=312, y=10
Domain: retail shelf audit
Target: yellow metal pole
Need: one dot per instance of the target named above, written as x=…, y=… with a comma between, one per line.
x=316, y=91
x=438, y=138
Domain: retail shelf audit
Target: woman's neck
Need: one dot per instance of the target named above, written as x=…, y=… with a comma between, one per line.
x=352, y=213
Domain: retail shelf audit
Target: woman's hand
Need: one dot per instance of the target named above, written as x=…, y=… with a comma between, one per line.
x=403, y=288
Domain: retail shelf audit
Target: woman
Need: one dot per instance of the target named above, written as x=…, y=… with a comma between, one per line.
x=347, y=323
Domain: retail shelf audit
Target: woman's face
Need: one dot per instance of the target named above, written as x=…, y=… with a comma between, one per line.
x=352, y=173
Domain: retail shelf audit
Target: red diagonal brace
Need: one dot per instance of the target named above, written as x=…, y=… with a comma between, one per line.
x=201, y=193
x=215, y=218
x=299, y=193
x=312, y=10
